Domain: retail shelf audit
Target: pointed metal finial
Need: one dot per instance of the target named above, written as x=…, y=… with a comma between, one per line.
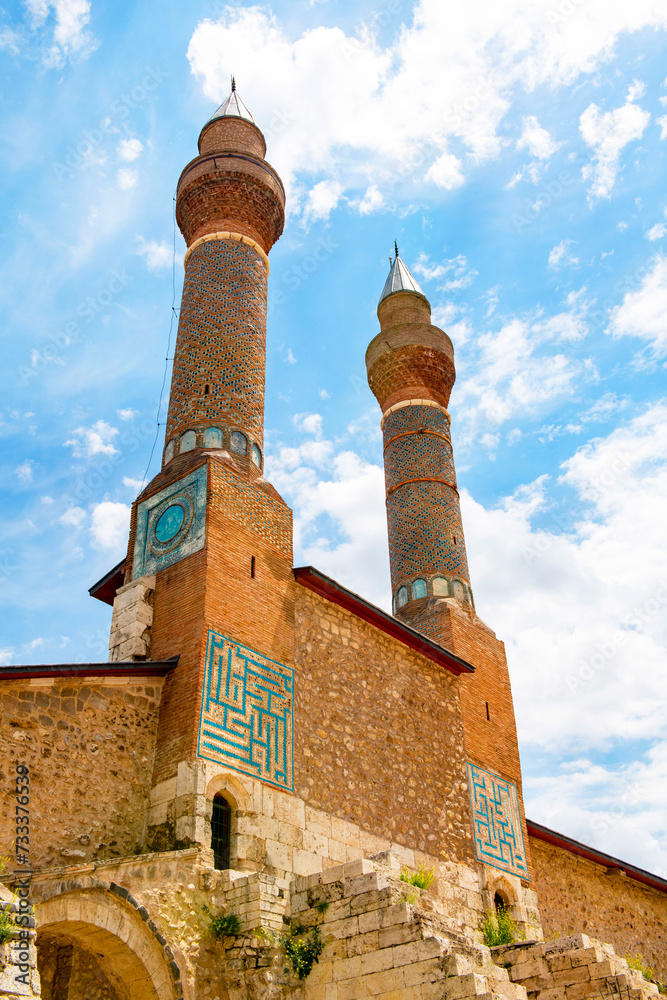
x=391, y=260
x=233, y=84
x=396, y=247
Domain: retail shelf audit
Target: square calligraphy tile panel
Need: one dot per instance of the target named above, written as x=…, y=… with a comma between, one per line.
x=497, y=821
x=247, y=712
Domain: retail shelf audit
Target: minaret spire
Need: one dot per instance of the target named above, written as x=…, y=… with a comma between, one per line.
x=411, y=372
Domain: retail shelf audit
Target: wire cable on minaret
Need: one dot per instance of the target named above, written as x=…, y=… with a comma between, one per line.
x=167, y=358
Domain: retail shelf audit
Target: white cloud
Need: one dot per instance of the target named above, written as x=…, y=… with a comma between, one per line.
x=46, y=499
x=24, y=471
x=561, y=255
x=662, y=122
x=110, y=523
x=95, y=440
x=127, y=414
x=127, y=178
x=158, y=256
x=446, y=172
x=133, y=484
x=322, y=200
x=6, y=655
x=536, y=139
x=607, y=133
x=73, y=517
x=324, y=394
x=130, y=150
x=429, y=105
x=636, y=90
x=656, y=232
x=455, y=270
x=70, y=37
x=309, y=423
x=371, y=201
x=643, y=313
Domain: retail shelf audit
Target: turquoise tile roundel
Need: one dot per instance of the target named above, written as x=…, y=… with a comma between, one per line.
x=169, y=523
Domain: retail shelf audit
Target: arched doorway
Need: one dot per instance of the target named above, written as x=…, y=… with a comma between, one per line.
x=90, y=944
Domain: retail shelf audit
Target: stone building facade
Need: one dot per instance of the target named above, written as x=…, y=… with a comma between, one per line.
x=268, y=750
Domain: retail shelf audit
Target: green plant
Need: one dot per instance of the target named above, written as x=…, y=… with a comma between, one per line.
x=498, y=928
x=410, y=897
x=302, y=949
x=227, y=925
x=422, y=878
x=7, y=926
x=639, y=963
x=322, y=906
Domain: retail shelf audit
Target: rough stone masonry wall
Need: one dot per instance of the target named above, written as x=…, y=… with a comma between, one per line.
x=89, y=745
x=578, y=895
x=378, y=735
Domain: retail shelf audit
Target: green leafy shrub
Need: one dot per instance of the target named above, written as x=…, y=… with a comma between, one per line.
x=639, y=963
x=302, y=949
x=499, y=928
x=422, y=878
x=7, y=926
x=225, y=926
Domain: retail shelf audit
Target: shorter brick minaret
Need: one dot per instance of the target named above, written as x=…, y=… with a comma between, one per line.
x=411, y=372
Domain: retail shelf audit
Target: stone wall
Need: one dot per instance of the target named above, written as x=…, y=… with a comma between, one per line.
x=579, y=895
x=89, y=744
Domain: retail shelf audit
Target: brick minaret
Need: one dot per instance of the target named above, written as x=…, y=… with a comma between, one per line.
x=209, y=567
x=230, y=208
x=411, y=372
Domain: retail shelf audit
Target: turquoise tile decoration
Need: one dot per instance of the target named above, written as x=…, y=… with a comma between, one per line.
x=171, y=524
x=246, y=718
x=497, y=821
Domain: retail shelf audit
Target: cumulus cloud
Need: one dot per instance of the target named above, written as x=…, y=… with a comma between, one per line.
x=128, y=414
x=73, y=517
x=377, y=113
x=127, y=179
x=536, y=139
x=560, y=255
x=322, y=200
x=109, y=526
x=158, y=256
x=656, y=232
x=130, y=150
x=96, y=440
x=371, y=201
x=643, y=312
x=607, y=133
x=70, y=19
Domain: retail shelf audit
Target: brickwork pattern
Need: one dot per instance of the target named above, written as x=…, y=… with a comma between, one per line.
x=247, y=711
x=85, y=740
x=578, y=894
x=221, y=343
x=414, y=371
x=423, y=509
x=377, y=733
x=497, y=818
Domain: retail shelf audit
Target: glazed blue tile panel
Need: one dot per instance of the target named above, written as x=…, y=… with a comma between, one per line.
x=247, y=712
x=150, y=553
x=497, y=821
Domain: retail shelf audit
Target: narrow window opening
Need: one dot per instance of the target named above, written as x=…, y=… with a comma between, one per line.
x=454, y=537
x=488, y=714
x=252, y=567
x=206, y=389
x=221, y=831
x=499, y=903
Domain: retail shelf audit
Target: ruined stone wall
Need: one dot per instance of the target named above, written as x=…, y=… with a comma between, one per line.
x=578, y=895
x=89, y=745
x=378, y=734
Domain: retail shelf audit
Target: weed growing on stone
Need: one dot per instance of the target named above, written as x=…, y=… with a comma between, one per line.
x=422, y=878
x=639, y=963
x=322, y=906
x=303, y=949
x=7, y=926
x=498, y=928
x=410, y=897
x=227, y=925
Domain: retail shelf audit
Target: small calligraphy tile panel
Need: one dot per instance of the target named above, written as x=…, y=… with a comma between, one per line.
x=247, y=712
x=497, y=821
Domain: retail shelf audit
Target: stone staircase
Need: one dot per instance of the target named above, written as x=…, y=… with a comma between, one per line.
x=573, y=968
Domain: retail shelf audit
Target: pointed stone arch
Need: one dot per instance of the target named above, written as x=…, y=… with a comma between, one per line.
x=117, y=939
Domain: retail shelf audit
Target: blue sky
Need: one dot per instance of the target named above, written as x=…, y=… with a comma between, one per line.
x=516, y=151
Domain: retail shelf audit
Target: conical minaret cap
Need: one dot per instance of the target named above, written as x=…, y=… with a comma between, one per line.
x=399, y=279
x=233, y=107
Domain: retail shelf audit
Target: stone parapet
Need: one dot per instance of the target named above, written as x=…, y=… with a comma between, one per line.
x=131, y=622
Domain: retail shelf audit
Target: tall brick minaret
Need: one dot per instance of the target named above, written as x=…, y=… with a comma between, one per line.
x=411, y=371
x=209, y=567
